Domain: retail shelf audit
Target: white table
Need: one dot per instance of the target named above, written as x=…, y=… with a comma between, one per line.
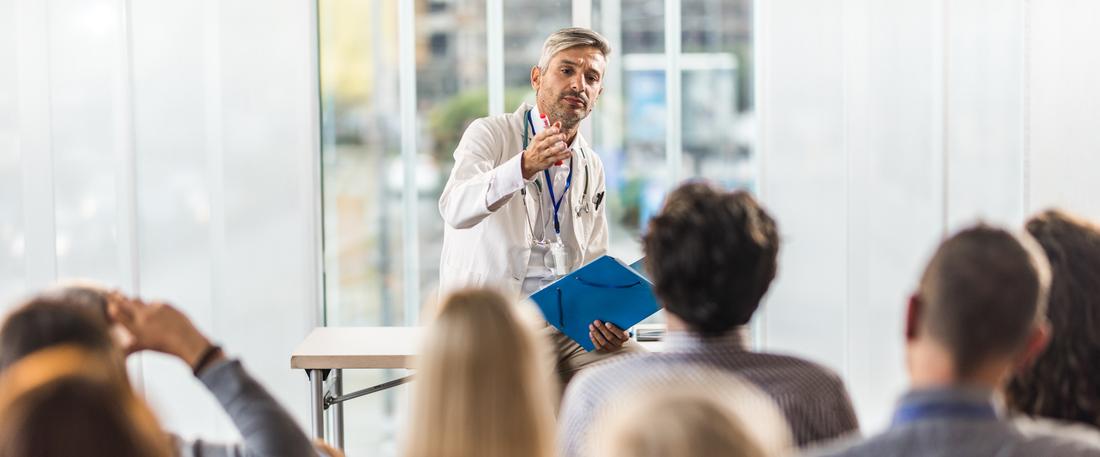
x=327, y=351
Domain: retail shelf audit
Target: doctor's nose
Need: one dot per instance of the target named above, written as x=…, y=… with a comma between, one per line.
x=577, y=83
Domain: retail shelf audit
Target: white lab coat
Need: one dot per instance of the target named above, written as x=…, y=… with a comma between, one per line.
x=491, y=247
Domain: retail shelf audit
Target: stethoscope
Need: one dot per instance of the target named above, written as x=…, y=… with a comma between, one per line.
x=585, y=207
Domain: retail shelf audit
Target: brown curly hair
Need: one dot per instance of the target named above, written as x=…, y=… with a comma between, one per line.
x=712, y=256
x=1063, y=382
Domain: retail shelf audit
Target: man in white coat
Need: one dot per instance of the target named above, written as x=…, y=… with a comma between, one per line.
x=524, y=203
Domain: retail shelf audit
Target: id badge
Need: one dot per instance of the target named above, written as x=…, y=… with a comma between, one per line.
x=555, y=259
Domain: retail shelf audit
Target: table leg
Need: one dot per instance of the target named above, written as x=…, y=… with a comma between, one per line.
x=337, y=389
x=317, y=402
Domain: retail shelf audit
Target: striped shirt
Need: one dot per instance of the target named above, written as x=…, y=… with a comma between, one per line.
x=812, y=398
x=945, y=429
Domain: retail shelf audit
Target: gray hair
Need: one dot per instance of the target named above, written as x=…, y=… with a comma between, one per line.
x=570, y=38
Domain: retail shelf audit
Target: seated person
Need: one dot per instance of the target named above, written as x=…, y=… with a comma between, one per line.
x=1062, y=383
x=68, y=316
x=711, y=255
x=713, y=414
x=976, y=315
x=484, y=382
x=68, y=402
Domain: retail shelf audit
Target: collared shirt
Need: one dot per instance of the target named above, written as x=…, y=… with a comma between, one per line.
x=958, y=422
x=812, y=398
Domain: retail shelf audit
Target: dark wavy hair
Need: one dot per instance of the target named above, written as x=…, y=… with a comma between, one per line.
x=712, y=256
x=1064, y=382
x=52, y=319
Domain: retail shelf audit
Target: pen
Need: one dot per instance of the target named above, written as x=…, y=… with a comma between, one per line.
x=546, y=125
x=599, y=199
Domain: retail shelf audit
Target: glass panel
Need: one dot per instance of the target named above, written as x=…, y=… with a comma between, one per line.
x=527, y=23
x=718, y=120
x=451, y=59
x=643, y=26
x=177, y=132
x=362, y=186
x=82, y=133
x=361, y=162
x=12, y=244
x=629, y=127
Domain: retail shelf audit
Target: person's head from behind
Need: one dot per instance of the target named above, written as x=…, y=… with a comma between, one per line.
x=713, y=414
x=568, y=78
x=712, y=256
x=52, y=319
x=1062, y=383
x=45, y=326
x=64, y=402
x=84, y=294
x=483, y=382
x=978, y=311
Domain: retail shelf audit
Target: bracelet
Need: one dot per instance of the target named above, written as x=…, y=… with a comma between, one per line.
x=205, y=359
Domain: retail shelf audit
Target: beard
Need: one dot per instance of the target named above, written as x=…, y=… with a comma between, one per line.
x=560, y=111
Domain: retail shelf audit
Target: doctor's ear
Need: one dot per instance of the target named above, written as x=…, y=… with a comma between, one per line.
x=536, y=78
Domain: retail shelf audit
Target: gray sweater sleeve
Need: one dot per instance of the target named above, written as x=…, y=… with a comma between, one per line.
x=266, y=428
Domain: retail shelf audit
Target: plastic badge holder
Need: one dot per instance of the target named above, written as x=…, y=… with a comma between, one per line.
x=556, y=261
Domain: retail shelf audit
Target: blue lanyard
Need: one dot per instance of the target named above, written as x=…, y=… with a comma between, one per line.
x=913, y=413
x=556, y=202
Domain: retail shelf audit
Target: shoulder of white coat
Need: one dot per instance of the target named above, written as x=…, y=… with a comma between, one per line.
x=594, y=161
x=502, y=123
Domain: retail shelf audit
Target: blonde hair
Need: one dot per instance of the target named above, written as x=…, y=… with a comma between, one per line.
x=570, y=38
x=66, y=402
x=711, y=414
x=484, y=383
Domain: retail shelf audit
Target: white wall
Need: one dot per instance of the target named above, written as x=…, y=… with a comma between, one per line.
x=1064, y=105
x=169, y=148
x=887, y=123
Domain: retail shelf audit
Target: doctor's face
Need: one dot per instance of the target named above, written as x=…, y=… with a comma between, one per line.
x=570, y=86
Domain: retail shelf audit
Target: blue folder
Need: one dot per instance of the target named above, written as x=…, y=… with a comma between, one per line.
x=605, y=289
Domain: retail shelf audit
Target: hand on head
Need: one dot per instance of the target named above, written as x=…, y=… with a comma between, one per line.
x=157, y=326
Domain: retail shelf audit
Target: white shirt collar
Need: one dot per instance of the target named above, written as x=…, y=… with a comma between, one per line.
x=735, y=338
x=535, y=119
